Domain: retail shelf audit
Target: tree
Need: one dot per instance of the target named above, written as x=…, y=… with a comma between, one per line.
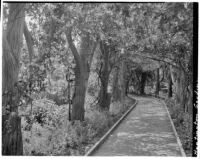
x=104, y=99
x=157, y=82
x=12, y=44
x=179, y=47
x=83, y=60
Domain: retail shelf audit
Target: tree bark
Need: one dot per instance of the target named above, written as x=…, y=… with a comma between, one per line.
x=169, y=86
x=180, y=80
x=83, y=59
x=78, y=100
x=119, y=83
x=104, y=98
x=142, y=82
x=12, y=43
x=116, y=91
x=157, y=82
x=127, y=86
x=12, y=136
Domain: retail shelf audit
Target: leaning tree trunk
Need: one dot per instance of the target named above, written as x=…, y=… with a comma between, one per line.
x=12, y=44
x=83, y=59
x=157, y=82
x=104, y=97
x=142, y=82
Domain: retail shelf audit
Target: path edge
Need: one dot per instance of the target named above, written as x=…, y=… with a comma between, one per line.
x=101, y=140
x=175, y=132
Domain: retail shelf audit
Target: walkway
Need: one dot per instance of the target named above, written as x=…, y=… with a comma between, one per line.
x=146, y=131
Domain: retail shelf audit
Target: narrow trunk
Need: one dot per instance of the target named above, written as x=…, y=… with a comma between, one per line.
x=116, y=91
x=157, y=82
x=190, y=99
x=142, y=83
x=169, y=86
x=12, y=43
x=122, y=81
x=127, y=87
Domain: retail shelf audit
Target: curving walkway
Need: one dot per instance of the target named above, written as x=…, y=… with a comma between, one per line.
x=146, y=131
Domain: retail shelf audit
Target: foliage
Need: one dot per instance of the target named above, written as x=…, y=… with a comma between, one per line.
x=57, y=136
x=183, y=123
x=138, y=33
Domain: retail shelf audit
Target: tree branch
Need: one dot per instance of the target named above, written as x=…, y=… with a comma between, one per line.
x=29, y=41
x=71, y=45
x=92, y=52
x=156, y=59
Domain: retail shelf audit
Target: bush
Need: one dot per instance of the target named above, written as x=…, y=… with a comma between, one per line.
x=183, y=123
x=56, y=135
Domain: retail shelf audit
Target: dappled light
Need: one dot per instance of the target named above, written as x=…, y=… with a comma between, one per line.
x=97, y=79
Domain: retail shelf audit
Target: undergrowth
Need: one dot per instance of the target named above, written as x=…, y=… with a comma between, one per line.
x=183, y=123
x=48, y=131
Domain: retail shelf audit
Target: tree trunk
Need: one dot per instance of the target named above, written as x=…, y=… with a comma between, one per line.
x=119, y=83
x=157, y=82
x=116, y=91
x=180, y=87
x=122, y=81
x=12, y=43
x=78, y=110
x=169, y=86
x=190, y=99
x=127, y=86
x=83, y=59
x=104, y=98
x=12, y=136
x=142, y=83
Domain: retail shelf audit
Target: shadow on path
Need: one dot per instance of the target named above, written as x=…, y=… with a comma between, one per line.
x=146, y=131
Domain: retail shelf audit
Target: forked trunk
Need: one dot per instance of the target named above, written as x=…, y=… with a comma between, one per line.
x=83, y=59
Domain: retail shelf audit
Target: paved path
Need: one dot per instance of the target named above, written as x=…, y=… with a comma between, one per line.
x=146, y=131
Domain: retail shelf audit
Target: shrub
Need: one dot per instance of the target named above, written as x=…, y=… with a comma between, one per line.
x=183, y=123
x=58, y=136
